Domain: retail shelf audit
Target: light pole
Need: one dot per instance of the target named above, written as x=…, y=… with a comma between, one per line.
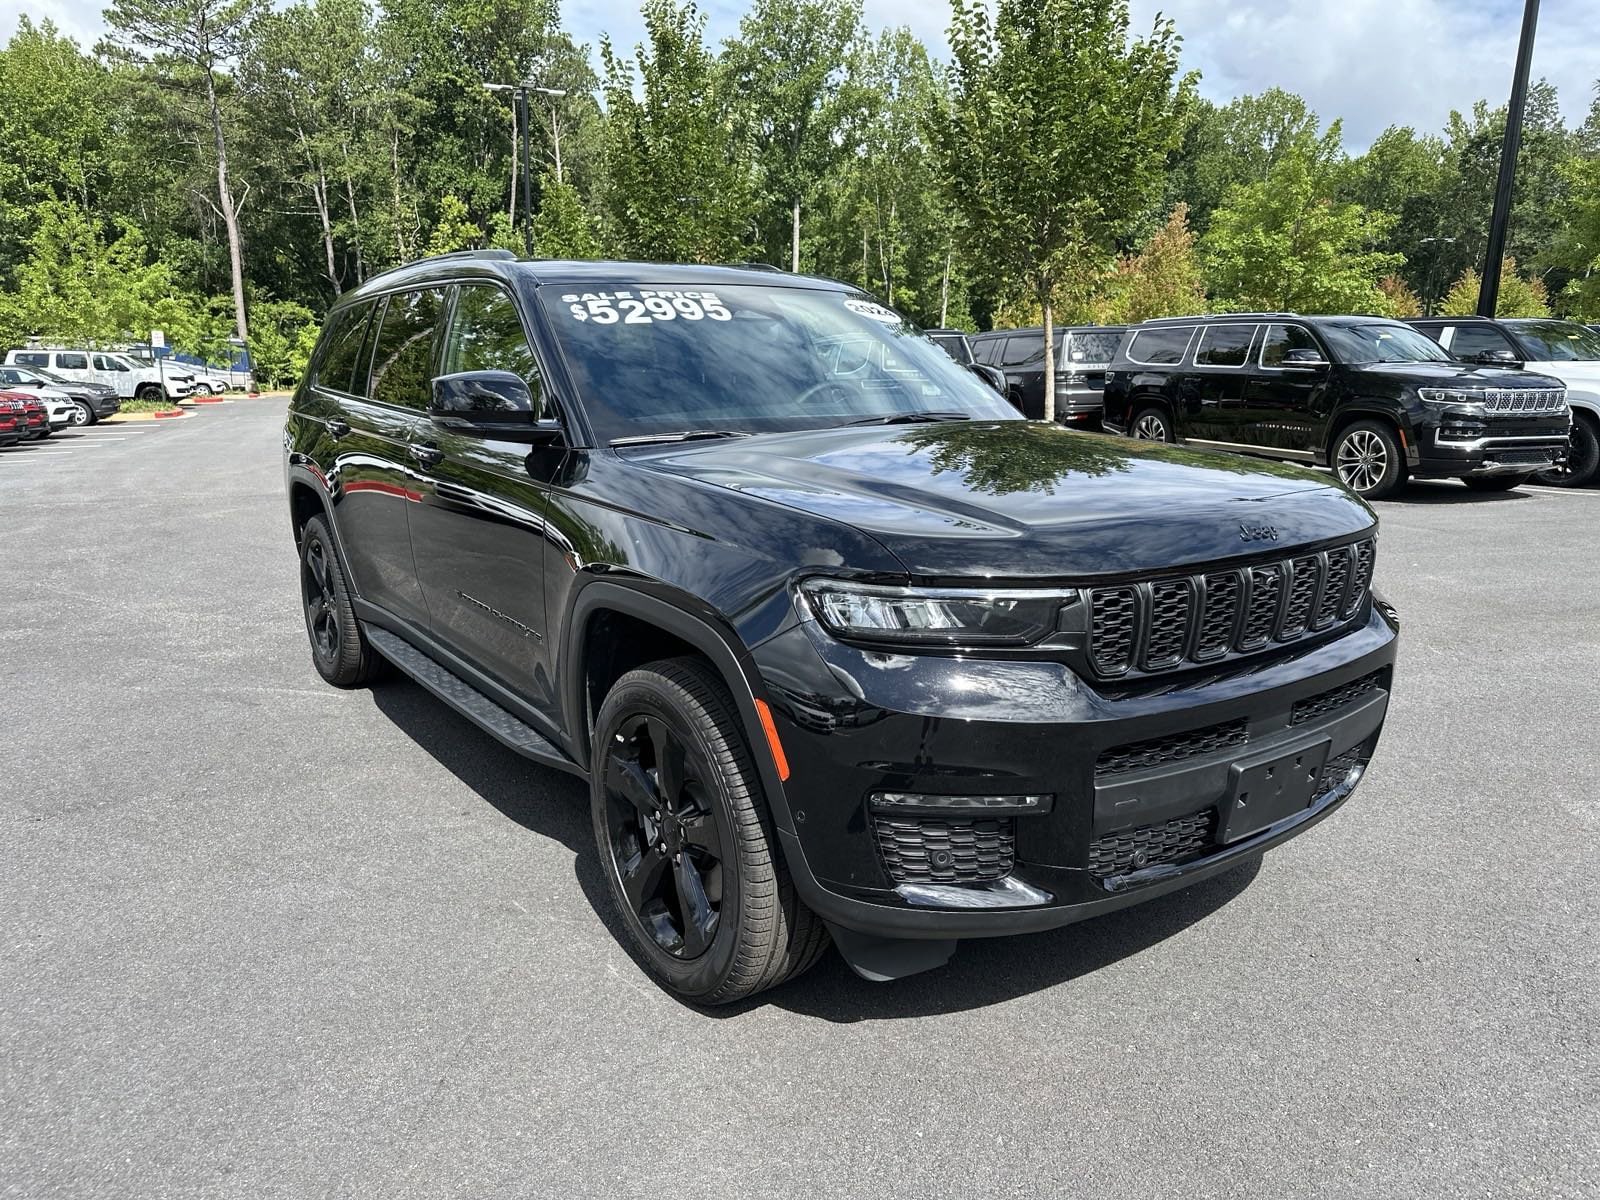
x=519, y=92
x=1489, y=293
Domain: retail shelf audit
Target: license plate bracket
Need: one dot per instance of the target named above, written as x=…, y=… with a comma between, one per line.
x=1267, y=789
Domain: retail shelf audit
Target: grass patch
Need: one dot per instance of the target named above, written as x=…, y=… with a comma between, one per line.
x=144, y=406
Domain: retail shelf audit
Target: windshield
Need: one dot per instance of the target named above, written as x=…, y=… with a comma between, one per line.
x=1382, y=342
x=1557, y=341
x=752, y=359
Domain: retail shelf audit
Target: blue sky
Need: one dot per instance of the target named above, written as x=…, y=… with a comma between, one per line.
x=1373, y=62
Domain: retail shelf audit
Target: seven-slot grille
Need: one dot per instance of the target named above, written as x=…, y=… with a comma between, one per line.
x=1166, y=623
x=1524, y=400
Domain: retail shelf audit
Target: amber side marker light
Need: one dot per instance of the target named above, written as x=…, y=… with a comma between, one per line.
x=779, y=758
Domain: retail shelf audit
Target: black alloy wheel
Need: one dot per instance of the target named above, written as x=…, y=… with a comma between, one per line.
x=339, y=649
x=316, y=585
x=662, y=832
x=1583, y=460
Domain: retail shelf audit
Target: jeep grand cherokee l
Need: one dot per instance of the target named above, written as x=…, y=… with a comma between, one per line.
x=864, y=658
x=1374, y=399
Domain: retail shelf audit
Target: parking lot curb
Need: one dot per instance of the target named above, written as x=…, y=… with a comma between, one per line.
x=122, y=418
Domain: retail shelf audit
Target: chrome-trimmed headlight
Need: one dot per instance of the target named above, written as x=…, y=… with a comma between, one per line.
x=1450, y=398
x=870, y=612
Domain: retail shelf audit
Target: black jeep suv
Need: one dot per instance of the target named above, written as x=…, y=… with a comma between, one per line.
x=1374, y=399
x=861, y=657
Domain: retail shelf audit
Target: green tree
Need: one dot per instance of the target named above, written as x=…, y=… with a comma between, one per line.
x=1399, y=300
x=563, y=228
x=679, y=179
x=788, y=66
x=1285, y=244
x=1162, y=280
x=1520, y=296
x=452, y=231
x=286, y=333
x=1579, y=244
x=1055, y=137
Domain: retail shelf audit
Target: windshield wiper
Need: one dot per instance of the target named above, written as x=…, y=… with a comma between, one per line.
x=910, y=418
x=689, y=435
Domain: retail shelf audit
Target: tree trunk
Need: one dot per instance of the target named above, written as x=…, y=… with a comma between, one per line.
x=319, y=192
x=866, y=262
x=794, y=256
x=515, y=178
x=944, y=289
x=399, y=207
x=555, y=140
x=230, y=214
x=355, y=213
x=1049, y=356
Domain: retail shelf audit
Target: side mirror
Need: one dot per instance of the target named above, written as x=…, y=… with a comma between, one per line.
x=1303, y=359
x=993, y=376
x=1497, y=358
x=486, y=399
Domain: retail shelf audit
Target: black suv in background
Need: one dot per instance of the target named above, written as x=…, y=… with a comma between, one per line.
x=1081, y=359
x=856, y=656
x=958, y=346
x=1374, y=399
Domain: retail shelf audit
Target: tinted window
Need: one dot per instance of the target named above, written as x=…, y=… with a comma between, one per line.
x=748, y=358
x=1380, y=341
x=955, y=347
x=983, y=350
x=1159, y=346
x=29, y=358
x=102, y=363
x=402, y=355
x=1558, y=341
x=342, y=345
x=1281, y=339
x=1471, y=340
x=72, y=362
x=1020, y=351
x=486, y=335
x=1091, y=347
x=1224, y=345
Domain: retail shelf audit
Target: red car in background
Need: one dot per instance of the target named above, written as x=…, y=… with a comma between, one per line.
x=10, y=419
x=32, y=421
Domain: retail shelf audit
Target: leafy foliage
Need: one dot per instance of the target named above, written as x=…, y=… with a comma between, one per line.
x=1519, y=296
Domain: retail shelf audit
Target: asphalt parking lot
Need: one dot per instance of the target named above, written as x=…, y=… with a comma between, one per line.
x=264, y=938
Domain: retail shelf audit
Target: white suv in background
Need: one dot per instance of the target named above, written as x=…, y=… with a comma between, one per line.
x=132, y=380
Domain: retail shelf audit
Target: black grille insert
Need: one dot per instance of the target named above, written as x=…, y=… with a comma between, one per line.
x=1337, y=767
x=1148, y=845
x=1174, y=747
x=1165, y=623
x=945, y=850
x=1315, y=707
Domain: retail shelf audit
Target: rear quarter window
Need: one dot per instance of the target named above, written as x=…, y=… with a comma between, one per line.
x=30, y=358
x=1159, y=347
x=341, y=347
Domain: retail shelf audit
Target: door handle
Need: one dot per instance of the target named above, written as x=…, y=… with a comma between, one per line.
x=427, y=456
x=338, y=428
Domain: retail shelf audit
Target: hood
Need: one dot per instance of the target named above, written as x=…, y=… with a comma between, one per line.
x=1465, y=376
x=1021, y=499
x=1580, y=375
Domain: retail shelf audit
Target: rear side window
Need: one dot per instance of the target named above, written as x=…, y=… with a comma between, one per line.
x=1091, y=347
x=1224, y=345
x=983, y=350
x=31, y=358
x=72, y=362
x=1281, y=339
x=1020, y=351
x=402, y=355
x=1159, y=347
x=344, y=340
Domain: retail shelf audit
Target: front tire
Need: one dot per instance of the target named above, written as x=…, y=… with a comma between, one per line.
x=149, y=393
x=339, y=648
x=1583, y=463
x=82, y=413
x=1494, y=483
x=1367, y=459
x=686, y=840
x=1151, y=425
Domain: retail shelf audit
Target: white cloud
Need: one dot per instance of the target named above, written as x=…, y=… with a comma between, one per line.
x=1372, y=62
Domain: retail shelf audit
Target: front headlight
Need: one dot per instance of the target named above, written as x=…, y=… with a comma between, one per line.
x=934, y=616
x=1450, y=398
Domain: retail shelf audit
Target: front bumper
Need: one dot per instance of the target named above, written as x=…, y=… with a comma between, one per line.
x=855, y=722
x=1491, y=448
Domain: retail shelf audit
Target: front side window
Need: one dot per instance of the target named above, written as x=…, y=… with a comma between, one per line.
x=11, y=375
x=1381, y=342
x=402, y=354
x=343, y=341
x=1281, y=339
x=72, y=362
x=1558, y=341
x=955, y=347
x=1224, y=345
x=1469, y=341
x=983, y=351
x=486, y=335
x=1160, y=347
x=102, y=363
x=649, y=361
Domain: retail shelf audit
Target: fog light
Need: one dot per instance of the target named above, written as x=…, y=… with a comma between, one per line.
x=925, y=802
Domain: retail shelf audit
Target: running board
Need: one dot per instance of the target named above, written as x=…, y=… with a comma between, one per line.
x=467, y=700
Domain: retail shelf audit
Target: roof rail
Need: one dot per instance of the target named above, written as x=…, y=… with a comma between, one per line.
x=756, y=266
x=494, y=254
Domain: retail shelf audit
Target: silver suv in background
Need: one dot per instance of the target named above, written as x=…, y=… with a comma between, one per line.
x=129, y=379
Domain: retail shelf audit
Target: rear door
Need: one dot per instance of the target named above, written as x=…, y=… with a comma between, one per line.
x=1221, y=356
x=479, y=531
x=377, y=422
x=73, y=365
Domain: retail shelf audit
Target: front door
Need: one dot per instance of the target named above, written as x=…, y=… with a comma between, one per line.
x=113, y=374
x=479, y=531
x=1287, y=407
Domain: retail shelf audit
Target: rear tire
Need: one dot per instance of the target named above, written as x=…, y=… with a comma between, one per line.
x=339, y=648
x=1495, y=483
x=1151, y=424
x=1366, y=457
x=1583, y=465
x=686, y=840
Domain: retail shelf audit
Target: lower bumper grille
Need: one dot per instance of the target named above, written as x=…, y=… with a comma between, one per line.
x=1323, y=703
x=1175, y=747
x=1337, y=767
x=941, y=850
x=1164, y=842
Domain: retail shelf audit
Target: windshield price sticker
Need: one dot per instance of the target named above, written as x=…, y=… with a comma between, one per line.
x=877, y=312
x=645, y=306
